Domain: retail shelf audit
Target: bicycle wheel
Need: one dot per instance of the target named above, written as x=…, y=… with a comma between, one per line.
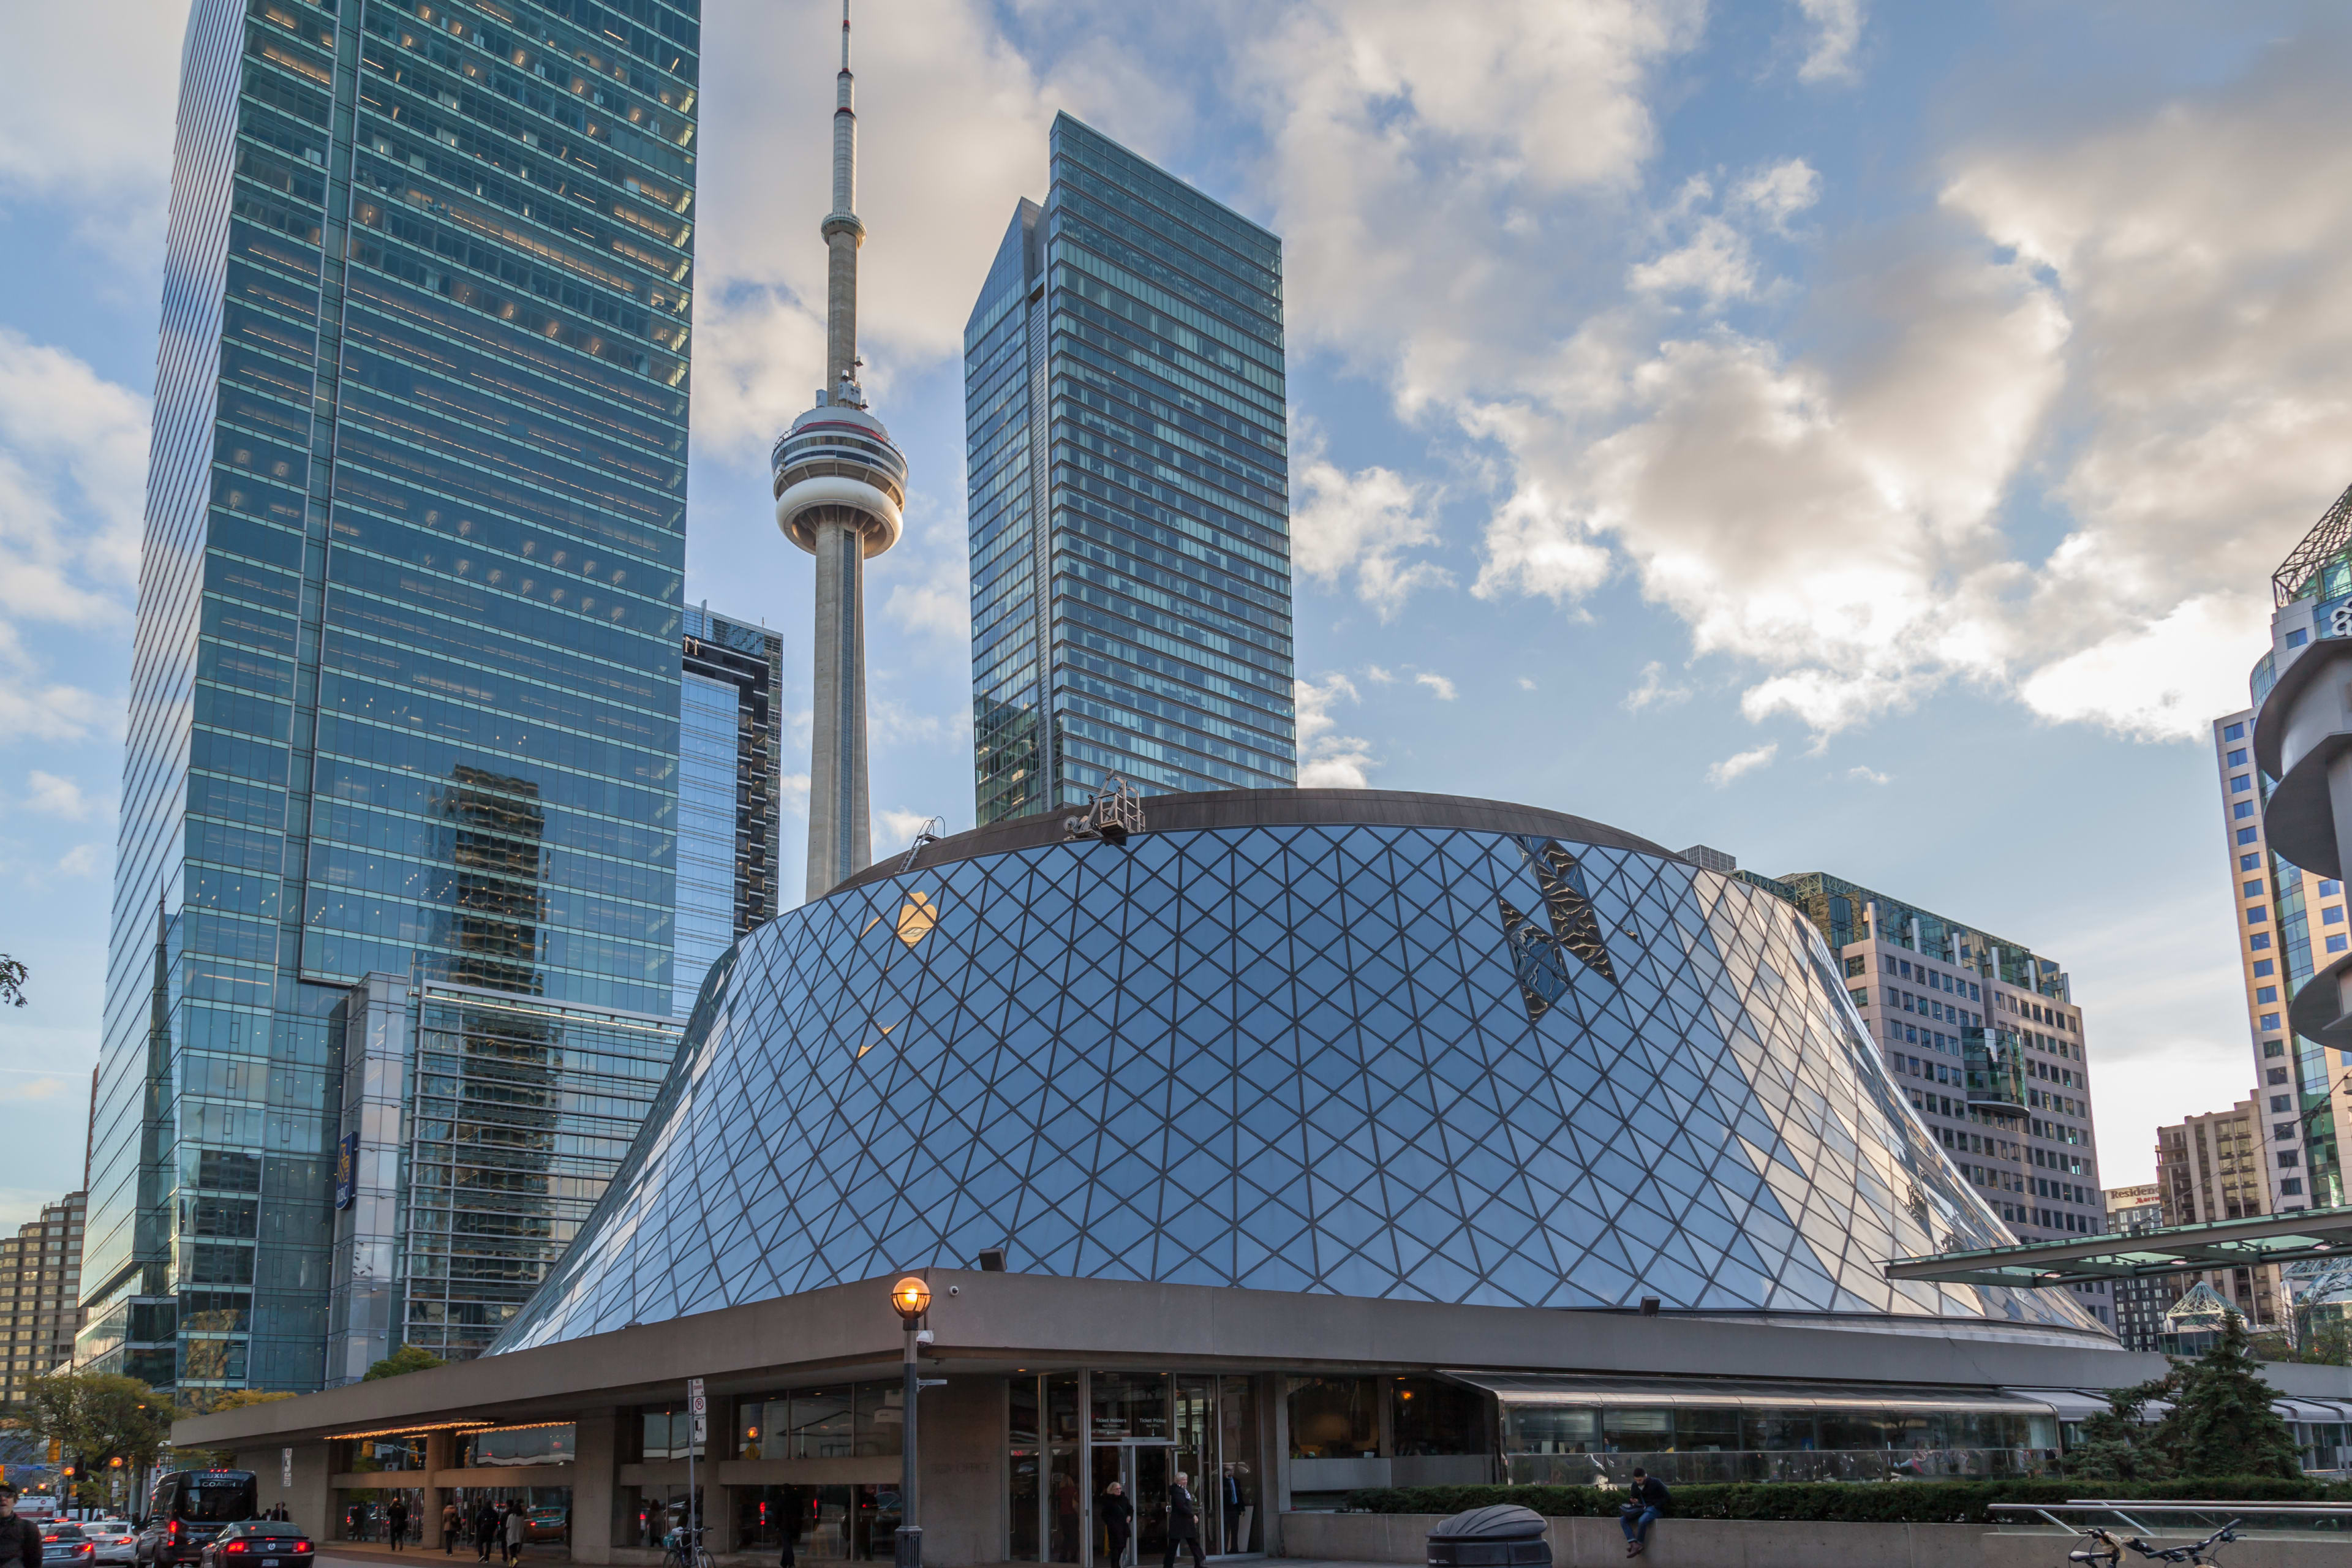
x=703, y=1559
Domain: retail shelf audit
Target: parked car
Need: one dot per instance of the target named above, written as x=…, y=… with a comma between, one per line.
x=63, y=1541
x=116, y=1539
x=259, y=1543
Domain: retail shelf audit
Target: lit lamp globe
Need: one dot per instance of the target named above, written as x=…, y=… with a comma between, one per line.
x=912, y=1299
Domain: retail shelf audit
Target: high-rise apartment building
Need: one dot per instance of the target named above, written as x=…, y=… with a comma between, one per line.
x=729, y=787
x=40, y=1291
x=2283, y=915
x=405, y=691
x=1987, y=1041
x=2211, y=1167
x=1126, y=451
x=2140, y=1304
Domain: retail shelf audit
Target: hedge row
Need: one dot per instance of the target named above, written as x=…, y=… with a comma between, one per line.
x=1884, y=1503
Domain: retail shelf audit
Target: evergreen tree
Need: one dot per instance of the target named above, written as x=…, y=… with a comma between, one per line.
x=2221, y=1422
x=2118, y=1446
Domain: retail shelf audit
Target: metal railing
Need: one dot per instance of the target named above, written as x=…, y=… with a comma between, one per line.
x=2176, y=1517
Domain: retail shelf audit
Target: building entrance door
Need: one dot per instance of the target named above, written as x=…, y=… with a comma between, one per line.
x=1142, y=1472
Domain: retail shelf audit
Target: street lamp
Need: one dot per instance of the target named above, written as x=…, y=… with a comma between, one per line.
x=910, y=1298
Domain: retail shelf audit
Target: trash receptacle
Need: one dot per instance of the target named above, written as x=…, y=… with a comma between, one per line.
x=1502, y=1535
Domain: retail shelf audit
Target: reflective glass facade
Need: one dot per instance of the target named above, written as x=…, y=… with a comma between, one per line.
x=1127, y=458
x=405, y=691
x=728, y=791
x=523, y=1112
x=1331, y=1042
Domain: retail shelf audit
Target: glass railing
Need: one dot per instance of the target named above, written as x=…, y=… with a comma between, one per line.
x=1691, y=1466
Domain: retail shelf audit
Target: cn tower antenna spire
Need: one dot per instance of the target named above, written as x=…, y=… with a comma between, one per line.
x=839, y=485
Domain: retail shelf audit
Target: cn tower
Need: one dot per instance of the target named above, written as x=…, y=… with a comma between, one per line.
x=840, y=486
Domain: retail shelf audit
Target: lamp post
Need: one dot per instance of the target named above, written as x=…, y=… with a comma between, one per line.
x=912, y=1297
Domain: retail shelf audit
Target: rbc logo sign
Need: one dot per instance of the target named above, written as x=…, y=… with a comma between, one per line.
x=2339, y=621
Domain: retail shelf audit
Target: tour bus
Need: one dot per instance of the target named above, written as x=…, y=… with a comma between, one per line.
x=188, y=1509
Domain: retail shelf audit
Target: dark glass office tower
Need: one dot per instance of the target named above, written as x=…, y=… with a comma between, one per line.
x=405, y=687
x=1126, y=437
x=730, y=789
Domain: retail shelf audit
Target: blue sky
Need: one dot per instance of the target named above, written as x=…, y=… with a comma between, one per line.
x=1854, y=436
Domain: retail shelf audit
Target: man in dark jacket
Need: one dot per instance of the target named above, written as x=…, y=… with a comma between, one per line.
x=485, y=1530
x=1644, y=1504
x=1118, y=1515
x=1184, y=1523
x=395, y=1518
x=20, y=1539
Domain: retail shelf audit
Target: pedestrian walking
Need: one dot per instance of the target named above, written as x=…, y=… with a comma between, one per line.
x=20, y=1538
x=1184, y=1523
x=395, y=1518
x=485, y=1530
x=518, y=1521
x=449, y=1522
x=1118, y=1515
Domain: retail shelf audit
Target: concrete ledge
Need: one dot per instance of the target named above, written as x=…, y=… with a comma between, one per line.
x=1376, y=1538
x=1372, y=1538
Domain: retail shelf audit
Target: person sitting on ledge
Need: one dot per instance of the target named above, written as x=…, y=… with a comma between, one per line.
x=1645, y=1502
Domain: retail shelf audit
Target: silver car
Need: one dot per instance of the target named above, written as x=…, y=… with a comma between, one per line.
x=116, y=1541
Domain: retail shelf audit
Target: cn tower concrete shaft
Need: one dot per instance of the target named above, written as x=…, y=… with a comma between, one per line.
x=840, y=485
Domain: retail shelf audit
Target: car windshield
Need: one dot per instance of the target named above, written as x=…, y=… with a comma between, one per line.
x=218, y=1499
x=61, y=1531
x=110, y=1527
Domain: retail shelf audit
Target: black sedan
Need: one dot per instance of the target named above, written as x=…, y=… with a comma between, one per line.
x=259, y=1543
x=62, y=1541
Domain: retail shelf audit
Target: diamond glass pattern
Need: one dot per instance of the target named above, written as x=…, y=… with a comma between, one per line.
x=1291, y=1059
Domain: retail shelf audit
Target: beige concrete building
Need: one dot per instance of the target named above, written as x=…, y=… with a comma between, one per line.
x=2211, y=1167
x=2139, y=1304
x=40, y=1285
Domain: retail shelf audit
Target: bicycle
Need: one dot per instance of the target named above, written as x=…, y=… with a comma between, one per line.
x=2110, y=1551
x=674, y=1553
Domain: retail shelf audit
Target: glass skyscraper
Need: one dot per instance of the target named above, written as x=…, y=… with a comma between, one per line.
x=405, y=691
x=728, y=784
x=1126, y=436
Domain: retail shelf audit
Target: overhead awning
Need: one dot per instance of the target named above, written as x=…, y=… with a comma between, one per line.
x=2070, y=1404
x=2170, y=1249
x=2311, y=1410
x=1743, y=1393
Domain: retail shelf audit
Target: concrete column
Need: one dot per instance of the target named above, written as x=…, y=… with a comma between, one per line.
x=595, y=1470
x=840, y=304
x=308, y=1500
x=440, y=1454
x=1274, y=1430
x=962, y=1455
x=840, y=839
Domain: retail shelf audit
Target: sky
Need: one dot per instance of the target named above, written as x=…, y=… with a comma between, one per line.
x=1854, y=436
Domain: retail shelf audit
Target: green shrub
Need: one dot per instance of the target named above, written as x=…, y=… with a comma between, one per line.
x=1881, y=1502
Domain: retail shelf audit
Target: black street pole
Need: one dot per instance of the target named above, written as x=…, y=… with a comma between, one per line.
x=910, y=1530
x=910, y=1298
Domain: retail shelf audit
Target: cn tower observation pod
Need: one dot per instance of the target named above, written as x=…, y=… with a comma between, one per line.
x=837, y=464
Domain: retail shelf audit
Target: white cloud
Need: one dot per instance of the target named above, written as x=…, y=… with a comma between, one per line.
x=1837, y=29
x=45, y=1089
x=930, y=589
x=1362, y=524
x=1437, y=683
x=793, y=792
x=1378, y=676
x=73, y=466
x=1779, y=191
x=899, y=829
x=87, y=98
x=1327, y=759
x=83, y=860
x=1723, y=772
x=1526, y=683
x=1654, y=691
x=1714, y=264
x=56, y=796
x=1869, y=775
